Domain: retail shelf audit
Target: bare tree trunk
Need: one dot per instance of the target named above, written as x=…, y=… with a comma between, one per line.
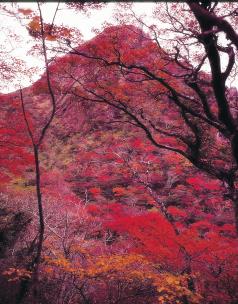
x=41, y=219
x=34, y=266
x=235, y=203
x=234, y=198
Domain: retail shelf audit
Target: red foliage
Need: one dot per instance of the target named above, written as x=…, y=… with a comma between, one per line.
x=15, y=145
x=199, y=183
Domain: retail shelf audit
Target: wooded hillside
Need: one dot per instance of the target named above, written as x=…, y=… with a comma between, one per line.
x=119, y=174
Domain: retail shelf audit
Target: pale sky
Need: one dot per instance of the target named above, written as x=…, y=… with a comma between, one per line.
x=83, y=22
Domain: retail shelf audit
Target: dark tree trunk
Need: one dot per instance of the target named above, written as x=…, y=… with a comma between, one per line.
x=234, y=197
x=41, y=221
x=233, y=194
x=26, y=284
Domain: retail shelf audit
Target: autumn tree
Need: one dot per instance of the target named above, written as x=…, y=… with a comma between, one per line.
x=166, y=93
x=37, y=134
x=38, y=119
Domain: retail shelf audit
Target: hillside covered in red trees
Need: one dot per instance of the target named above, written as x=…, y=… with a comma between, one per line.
x=119, y=176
